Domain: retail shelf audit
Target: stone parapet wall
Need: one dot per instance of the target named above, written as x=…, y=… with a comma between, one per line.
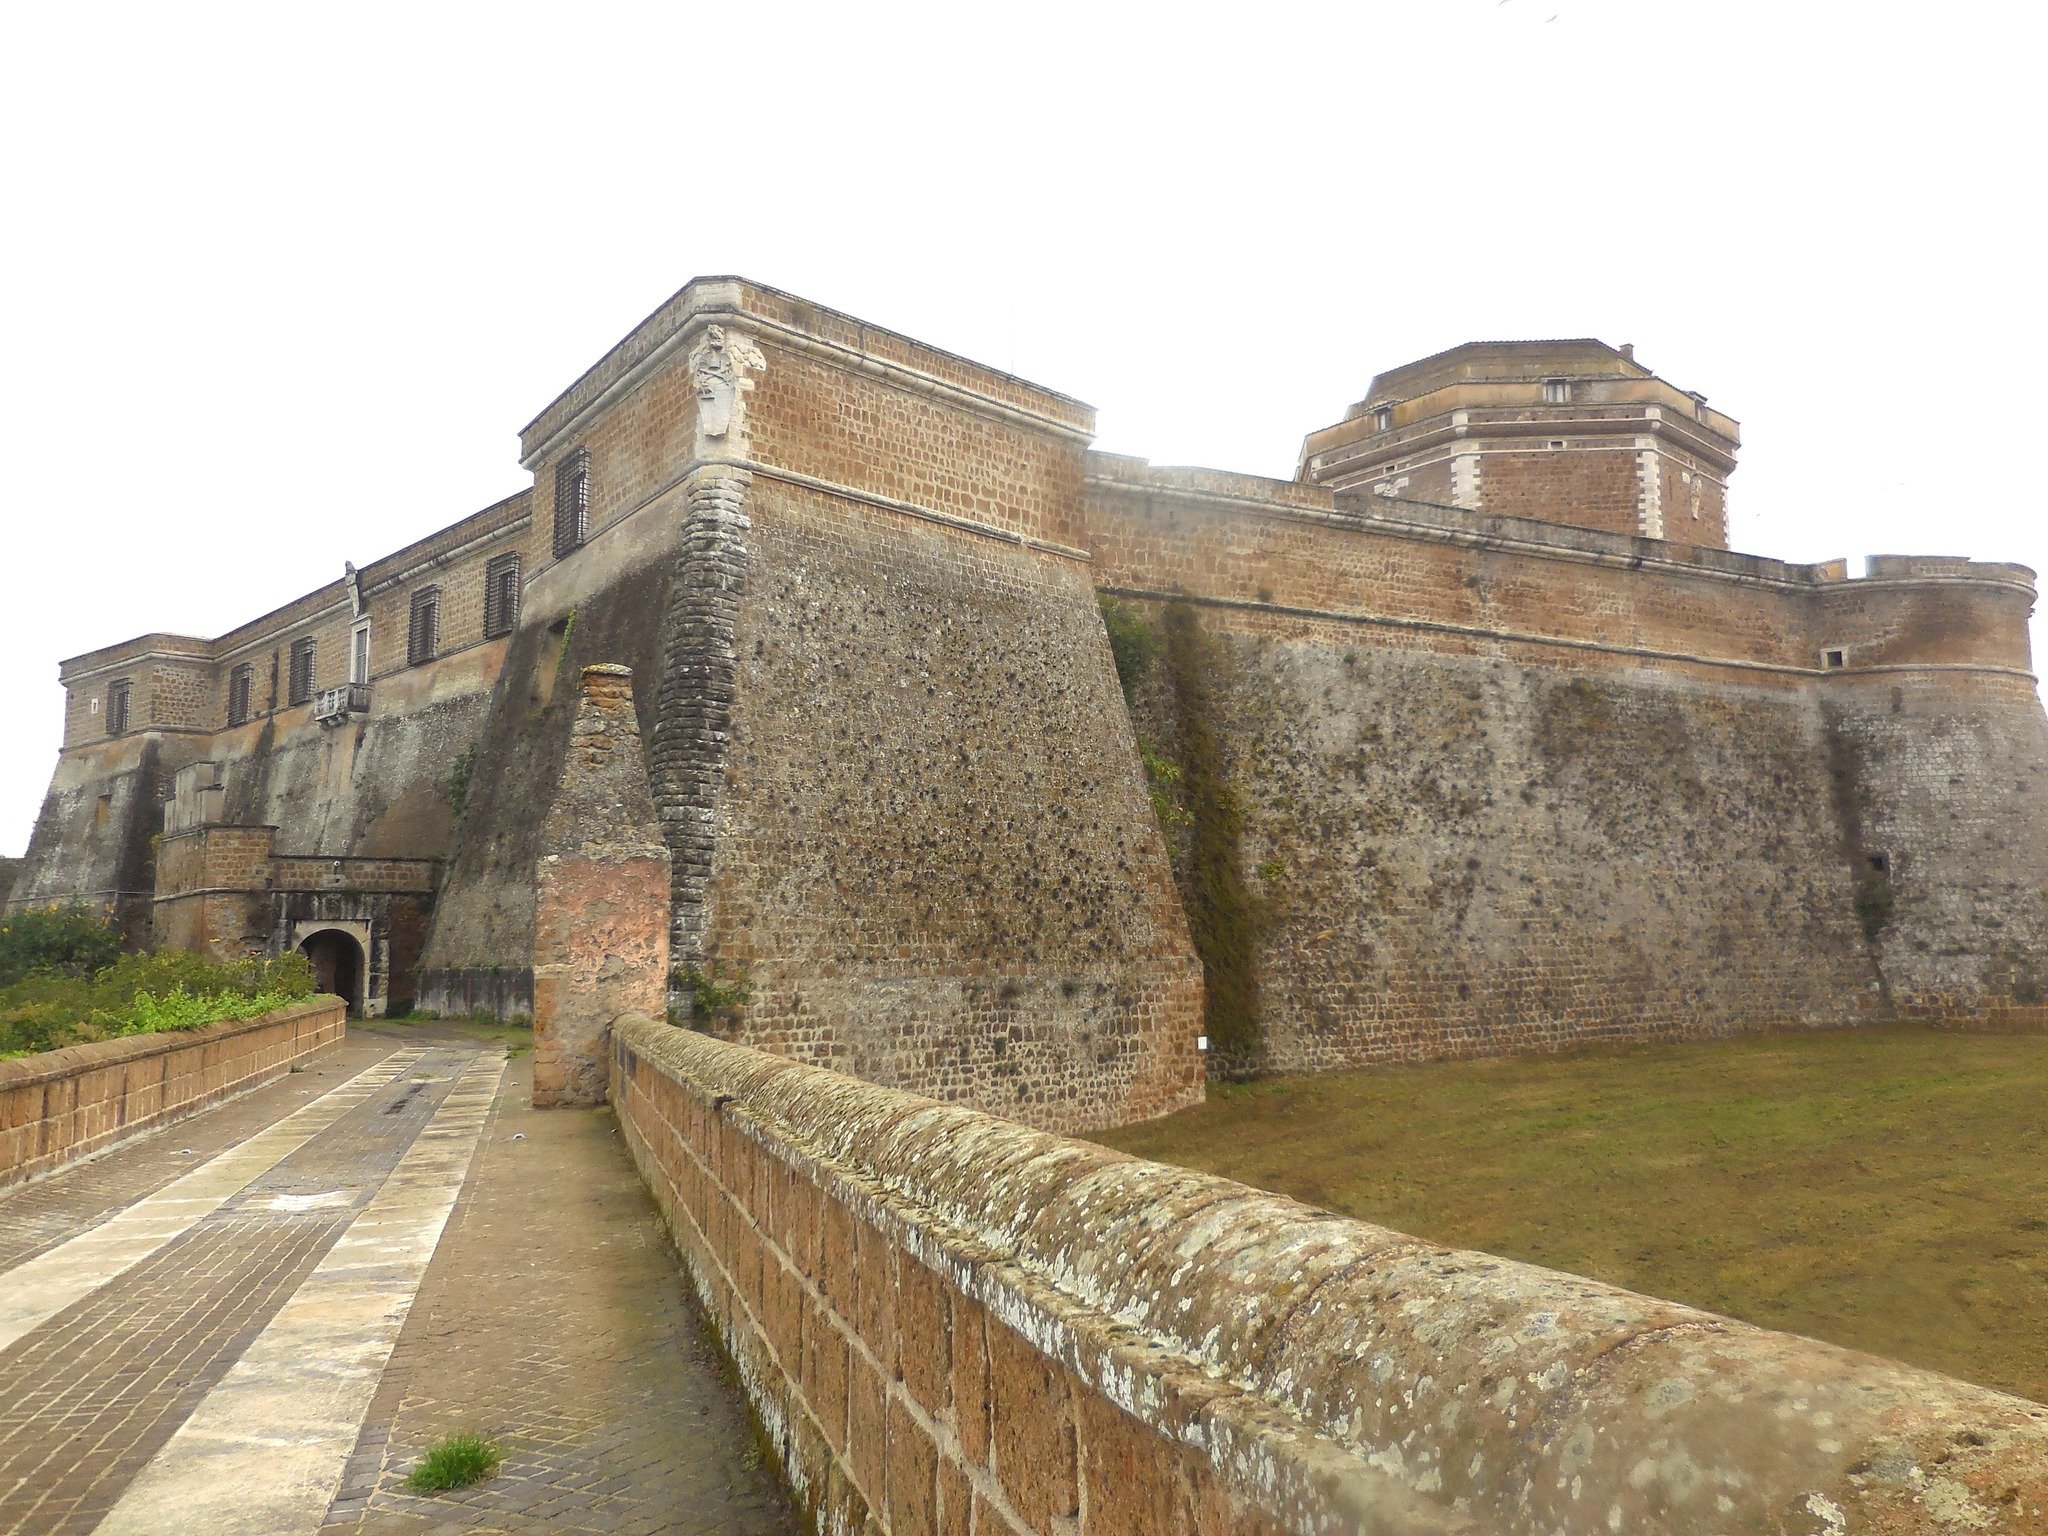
x=59, y=1106
x=948, y=1322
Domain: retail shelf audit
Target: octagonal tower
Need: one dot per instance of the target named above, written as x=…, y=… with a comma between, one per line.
x=1574, y=432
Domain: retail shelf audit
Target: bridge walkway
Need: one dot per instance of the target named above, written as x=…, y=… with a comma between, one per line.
x=257, y=1319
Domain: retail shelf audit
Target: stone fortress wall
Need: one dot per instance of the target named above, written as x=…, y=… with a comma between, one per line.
x=1516, y=785
x=1415, y=772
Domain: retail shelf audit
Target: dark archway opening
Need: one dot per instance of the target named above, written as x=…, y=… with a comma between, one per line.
x=337, y=961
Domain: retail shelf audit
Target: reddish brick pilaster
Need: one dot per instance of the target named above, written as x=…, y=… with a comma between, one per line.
x=602, y=898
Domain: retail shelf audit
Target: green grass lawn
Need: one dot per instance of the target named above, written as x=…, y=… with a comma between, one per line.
x=1886, y=1189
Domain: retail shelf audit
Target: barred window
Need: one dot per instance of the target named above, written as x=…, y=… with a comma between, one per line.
x=423, y=635
x=572, y=501
x=240, y=681
x=299, y=684
x=501, y=596
x=117, y=706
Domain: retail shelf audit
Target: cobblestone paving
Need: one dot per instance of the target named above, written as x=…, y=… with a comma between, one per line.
x=88, y=1398
x=554, y=1321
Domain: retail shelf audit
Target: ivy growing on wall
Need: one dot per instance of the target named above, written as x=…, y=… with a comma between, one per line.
x=1132, y=643
x=1227, y=918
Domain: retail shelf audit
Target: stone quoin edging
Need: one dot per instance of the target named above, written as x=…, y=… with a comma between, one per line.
x=58, y=1106
x=949, y=1322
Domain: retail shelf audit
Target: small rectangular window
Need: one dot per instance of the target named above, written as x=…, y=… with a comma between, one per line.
x=299, y=684
x=1557, y=391
x=572, y=501
x=240, y=682
x=501, y=596
x=1383, y=419
x=423, y=634
x=117, y=706
x=359, y=654
x=1834, y=658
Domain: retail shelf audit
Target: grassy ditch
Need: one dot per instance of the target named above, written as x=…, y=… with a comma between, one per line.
x=1883, y=1188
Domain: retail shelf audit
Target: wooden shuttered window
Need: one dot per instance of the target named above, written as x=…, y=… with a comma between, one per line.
x=299, y=683
x=117, y=706
x=501, y=596
x=423, y=633
x=572, y=501
x=240, y=682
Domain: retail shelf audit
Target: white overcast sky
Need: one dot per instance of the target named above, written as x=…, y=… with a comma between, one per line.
x=281, y=282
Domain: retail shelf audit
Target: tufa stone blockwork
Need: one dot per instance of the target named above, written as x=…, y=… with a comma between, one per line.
x=946, y=1321
x=601, y=905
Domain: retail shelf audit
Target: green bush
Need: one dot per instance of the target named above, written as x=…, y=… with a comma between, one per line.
x=710, y=998
x=141, y=994
x=74, y=940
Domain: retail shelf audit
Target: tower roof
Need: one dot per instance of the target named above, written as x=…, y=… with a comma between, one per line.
x=1504, y=362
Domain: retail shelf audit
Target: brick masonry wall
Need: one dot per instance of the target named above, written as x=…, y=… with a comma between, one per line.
x=479, y=953
x=93, y=838
x=934, y=860
x=1946, y=781
x=892, y=765
x=601, y=922
x=1587, y=488
x=1471, y=854
x=1479, y=841
x=1297, y=548
x=379, y=786
x=59, y=1106
x=946, y=1322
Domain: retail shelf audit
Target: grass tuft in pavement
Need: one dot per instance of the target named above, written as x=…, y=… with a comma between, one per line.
x=455, y=1462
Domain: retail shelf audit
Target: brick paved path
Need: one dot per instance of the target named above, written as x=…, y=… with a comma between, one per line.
x=197, y=1330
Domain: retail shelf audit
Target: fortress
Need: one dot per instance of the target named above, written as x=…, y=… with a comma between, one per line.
x=1019, y=774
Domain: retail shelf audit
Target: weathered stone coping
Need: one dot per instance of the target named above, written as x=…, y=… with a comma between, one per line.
x=58, y=1106
x=1344, y=1377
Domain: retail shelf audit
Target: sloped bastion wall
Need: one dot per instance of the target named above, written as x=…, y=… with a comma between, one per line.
x=949, y=1322
x=908, y=831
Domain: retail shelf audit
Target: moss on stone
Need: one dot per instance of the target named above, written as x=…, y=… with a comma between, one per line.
x=1227, y=919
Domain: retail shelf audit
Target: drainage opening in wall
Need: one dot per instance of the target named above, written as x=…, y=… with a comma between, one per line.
x=1880, y=864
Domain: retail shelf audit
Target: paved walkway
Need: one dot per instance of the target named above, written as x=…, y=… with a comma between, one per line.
x=257, y=1319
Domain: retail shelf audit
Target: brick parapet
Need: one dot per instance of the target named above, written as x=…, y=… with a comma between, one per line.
x=947, y=1321
x=798, y=323
x=59, y=1106
x=1475, y=576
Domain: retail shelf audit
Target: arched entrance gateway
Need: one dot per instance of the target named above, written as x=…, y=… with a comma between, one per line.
x=337, y=959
